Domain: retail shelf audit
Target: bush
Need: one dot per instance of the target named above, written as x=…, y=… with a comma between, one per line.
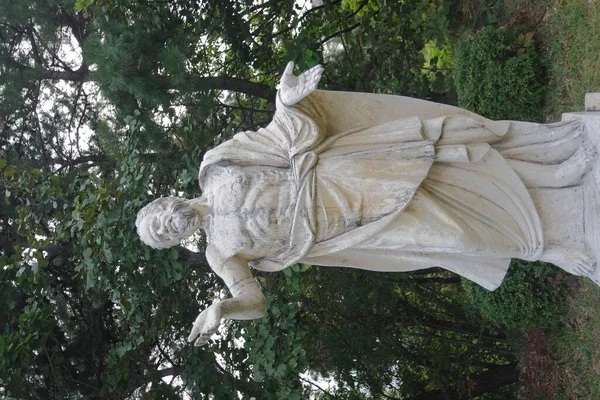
x=533, y=294
x=498, y=74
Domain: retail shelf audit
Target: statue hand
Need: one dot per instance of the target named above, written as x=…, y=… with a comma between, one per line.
x=206, y=324
x=294, y=88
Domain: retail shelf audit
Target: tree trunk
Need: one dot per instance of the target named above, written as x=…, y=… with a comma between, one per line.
x=489, y=381
x=193, y=82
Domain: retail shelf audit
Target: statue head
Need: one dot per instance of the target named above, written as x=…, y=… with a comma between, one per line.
x=166, y=221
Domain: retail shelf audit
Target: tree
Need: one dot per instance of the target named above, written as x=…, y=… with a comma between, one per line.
x=107, y=107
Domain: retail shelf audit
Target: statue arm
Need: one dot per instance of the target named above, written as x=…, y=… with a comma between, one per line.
x=248, y=301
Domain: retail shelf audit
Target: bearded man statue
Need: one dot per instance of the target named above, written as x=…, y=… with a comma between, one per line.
x=382, y=183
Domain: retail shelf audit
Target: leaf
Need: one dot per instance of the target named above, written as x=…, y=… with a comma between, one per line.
x=90, y=282
x=2, y=163
x=82, y=5
x=126, y=304
x=528, y=38
x=108, y=254
x=10, y=171
x=258, y=376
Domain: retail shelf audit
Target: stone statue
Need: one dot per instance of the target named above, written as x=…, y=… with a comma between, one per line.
x=383, y=183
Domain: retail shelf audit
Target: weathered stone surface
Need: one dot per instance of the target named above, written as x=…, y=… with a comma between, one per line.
x=386, y=183
x=592, y=102
x=590, y=204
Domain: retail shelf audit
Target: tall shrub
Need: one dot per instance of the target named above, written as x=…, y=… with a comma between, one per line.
x=499, y=74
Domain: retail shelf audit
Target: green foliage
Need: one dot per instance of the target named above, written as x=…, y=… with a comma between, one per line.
x=499, y=75
x=87, y=311
x=275, y=343
x=370, y=330
x=438, y=69
x=83, y=5
x=532, y=295
x=572, y=44
x=576, y=344
x=384, y=51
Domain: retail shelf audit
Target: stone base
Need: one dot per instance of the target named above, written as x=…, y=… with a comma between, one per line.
x=561, y=212
x=590, y=221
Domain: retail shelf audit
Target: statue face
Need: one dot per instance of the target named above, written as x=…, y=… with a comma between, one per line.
x=166, y=228
x=157, y=231
x=166, y=221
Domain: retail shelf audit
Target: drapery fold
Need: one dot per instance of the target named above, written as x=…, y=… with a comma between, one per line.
x=402, y=195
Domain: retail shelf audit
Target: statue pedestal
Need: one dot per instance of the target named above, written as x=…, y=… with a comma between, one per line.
x=589, y=205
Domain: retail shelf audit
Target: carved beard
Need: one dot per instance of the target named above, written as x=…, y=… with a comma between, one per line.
x=183, y=222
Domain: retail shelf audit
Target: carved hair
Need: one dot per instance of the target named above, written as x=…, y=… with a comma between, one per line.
x=174, y=218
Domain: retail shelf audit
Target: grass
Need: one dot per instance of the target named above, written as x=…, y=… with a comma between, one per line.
x=578, y=347
x=566, y=31
x=571, y=43
x=563, y=362
x=570, y=39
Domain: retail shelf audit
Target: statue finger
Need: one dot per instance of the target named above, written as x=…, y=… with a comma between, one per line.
x=201, y=341
x=289, y=69
x=204, y=337
x=197, y=328
x=194, y=334
x=316, y=73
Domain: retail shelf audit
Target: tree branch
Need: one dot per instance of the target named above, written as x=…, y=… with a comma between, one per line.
x=167, y=372
x=486, y=382
x=193, y=259
x=81, y=75
x=302, y=17
x=325, y=392
x=237, y=85
x=192, y=83
x=34, y=47
x=340, y=32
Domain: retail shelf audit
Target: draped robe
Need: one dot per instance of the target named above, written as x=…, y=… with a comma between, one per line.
x=390, y=189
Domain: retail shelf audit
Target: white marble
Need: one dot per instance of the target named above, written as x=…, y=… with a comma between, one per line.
x=385, y=183
x=587, y=210
x=592, y=102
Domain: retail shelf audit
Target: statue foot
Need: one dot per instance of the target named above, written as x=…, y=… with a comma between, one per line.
x=571, y=171
x=576, y=262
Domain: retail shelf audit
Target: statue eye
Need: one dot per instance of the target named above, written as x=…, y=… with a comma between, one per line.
x=155, y=224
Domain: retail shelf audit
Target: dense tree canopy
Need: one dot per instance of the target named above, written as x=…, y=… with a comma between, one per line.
x=107, y=104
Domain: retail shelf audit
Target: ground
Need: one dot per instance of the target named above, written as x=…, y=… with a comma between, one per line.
x=569, y=32
x=561, y=363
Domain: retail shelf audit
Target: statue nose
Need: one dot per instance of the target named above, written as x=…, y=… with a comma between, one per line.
x=162, y=229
